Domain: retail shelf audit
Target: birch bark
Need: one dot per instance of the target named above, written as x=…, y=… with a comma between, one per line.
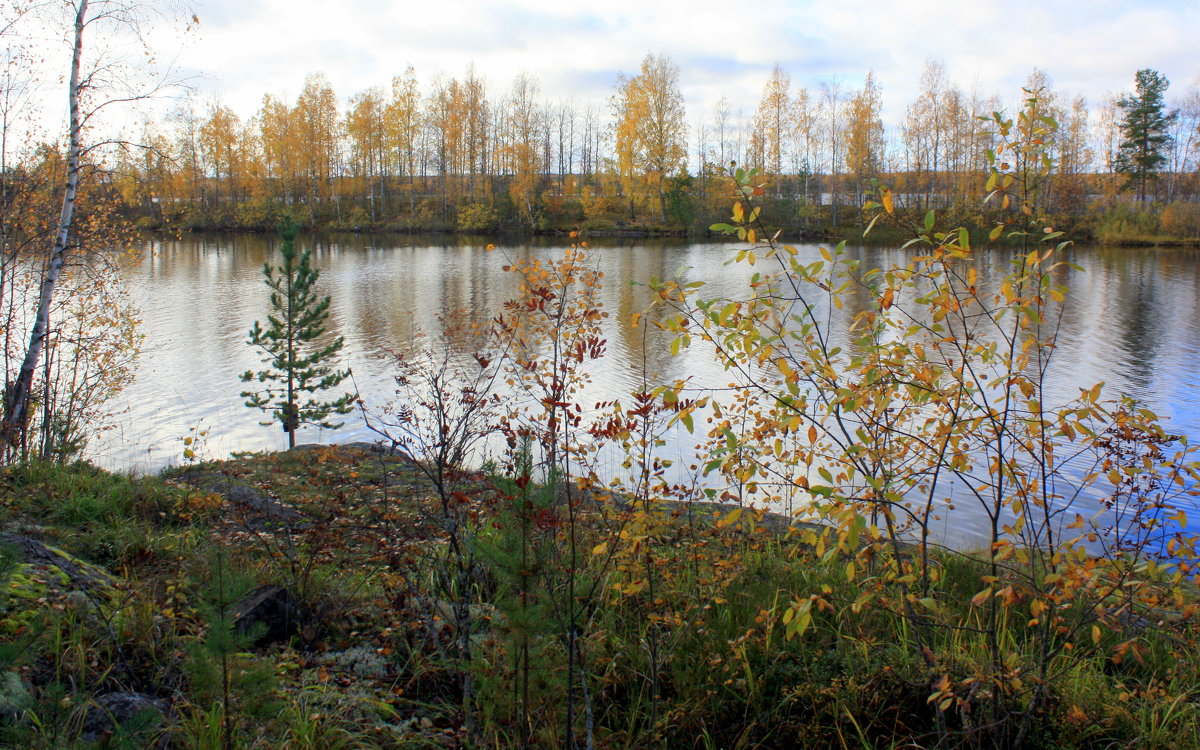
x=16, y=405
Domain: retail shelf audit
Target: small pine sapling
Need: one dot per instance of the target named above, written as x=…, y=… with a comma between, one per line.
x=297, y=365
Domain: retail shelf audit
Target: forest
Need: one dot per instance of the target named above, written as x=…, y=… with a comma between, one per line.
x=454, y=154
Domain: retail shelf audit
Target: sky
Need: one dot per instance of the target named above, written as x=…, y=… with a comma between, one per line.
x=244, y=49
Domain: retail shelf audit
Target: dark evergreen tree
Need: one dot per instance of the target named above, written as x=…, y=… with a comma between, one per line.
x=1145, y=126
x=298, y=365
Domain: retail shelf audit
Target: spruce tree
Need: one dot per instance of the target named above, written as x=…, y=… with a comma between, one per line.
x=1145, y=126
x=298, y=366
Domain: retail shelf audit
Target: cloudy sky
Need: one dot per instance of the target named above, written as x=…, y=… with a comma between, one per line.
x=245, y=48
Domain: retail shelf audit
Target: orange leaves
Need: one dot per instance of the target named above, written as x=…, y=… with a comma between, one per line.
x=1036, y=608
x=943, y=693
x=649, y=128
x=731, y=518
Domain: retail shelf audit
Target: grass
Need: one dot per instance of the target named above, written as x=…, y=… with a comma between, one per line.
x=702, y=661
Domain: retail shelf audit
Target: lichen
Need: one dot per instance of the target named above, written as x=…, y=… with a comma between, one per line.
x=14, y=695
x=32, y=589
x=362, y=662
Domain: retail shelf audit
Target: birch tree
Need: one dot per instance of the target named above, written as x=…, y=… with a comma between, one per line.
x=92, y=87
x=769, y=141
x=650, y=131
x=17, y=399
x=864, y=135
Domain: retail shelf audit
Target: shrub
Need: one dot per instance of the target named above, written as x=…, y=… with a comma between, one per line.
x=1125, y=223
x=477, y=217
x=1181, y=220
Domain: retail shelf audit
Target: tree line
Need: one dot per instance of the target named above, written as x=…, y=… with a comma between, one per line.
x=455, y=154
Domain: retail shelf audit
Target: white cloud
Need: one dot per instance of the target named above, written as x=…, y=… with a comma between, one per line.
x=248, y=48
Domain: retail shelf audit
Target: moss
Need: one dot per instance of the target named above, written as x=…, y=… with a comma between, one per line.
x=25, y=594
x=48, y=581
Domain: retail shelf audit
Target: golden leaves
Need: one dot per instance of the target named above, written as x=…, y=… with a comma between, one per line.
x=981, y=598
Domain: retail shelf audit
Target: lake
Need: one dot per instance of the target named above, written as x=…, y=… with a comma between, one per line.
x=1132, y=321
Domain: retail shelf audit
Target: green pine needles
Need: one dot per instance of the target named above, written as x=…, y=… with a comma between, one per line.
x=298, y=366
x=1145, y=131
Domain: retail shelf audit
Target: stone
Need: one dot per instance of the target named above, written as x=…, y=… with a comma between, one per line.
x=262, y=511
x=259, y=511
x=270, y=612
x=114, y=710
x=80, y=574
x=44, y=575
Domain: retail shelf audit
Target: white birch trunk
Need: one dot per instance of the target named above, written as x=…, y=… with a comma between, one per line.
x=18, y=397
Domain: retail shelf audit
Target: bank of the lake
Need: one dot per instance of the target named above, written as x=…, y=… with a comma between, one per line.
x=302, y=599
x=1116, y=225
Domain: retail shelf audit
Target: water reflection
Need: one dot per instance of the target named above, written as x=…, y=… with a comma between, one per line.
x=1132, y=321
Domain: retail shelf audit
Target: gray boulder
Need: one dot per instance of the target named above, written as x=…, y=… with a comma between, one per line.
x=129, y=710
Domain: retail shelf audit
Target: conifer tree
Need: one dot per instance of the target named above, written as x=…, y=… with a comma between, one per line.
x=297, y=364
x=1145, y=130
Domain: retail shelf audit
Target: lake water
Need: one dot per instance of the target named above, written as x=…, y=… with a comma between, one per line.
x=1132, y=321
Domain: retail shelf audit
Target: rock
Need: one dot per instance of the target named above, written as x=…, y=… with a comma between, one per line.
x=80, y=574
x=777, y=523
x=367, y=447
x=259, y=511
x=272, y=611
x=44, y=576
x=1134, y=623
x=15, y=697
x=25, y=527
x=263, y=511
x=360, y=446
x=114, y=710
x=305, y=447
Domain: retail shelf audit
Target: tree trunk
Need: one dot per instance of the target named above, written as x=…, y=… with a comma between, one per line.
x=290, y=417
x=18, y=396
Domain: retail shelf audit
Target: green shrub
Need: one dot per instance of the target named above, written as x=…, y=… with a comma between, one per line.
x=476, y=217
x=1125, y=223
